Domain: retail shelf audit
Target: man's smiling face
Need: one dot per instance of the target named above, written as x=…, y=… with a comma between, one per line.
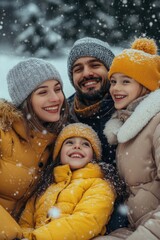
x=89, y=76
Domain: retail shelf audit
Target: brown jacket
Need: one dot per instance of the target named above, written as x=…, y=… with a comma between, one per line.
x=23, y=156
x=137, y=130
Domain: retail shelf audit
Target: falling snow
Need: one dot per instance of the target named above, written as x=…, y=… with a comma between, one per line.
x=123, y=209
x=54, y=212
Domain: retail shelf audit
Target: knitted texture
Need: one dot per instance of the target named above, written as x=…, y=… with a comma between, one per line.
x=78, y=130
x=141, y=63
x=89, y=47
x=25, y=77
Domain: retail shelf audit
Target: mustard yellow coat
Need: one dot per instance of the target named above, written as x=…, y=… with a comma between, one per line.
x=22, y=158
x=83, y=199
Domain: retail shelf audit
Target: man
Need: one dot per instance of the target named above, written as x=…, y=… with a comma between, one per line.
x=88, y=64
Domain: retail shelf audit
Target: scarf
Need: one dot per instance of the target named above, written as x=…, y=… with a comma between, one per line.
x=86, y=111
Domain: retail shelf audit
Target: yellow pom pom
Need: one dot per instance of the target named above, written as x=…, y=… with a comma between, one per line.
x=145, y=44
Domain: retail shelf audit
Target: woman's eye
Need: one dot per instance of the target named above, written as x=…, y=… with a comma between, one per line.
x=41, y=92
x=58, y=90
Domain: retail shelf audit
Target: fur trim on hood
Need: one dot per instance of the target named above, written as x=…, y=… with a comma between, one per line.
x=111, y=129
x=8, y=115
x=115, y=130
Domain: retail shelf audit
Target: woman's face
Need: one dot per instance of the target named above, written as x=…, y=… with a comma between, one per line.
x=47, y=101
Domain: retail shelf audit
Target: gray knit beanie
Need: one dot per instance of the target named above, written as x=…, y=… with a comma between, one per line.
x=90, y=47
x=24, y=77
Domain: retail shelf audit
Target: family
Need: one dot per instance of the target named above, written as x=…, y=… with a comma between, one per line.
x=86, y=167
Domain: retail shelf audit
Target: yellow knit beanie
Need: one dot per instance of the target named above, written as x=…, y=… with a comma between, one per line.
x=141, y=63
x=78, y=130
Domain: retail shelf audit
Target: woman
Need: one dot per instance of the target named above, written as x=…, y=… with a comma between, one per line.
x=28, y=130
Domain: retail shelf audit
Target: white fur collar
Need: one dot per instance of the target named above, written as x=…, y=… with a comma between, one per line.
x=144, y=112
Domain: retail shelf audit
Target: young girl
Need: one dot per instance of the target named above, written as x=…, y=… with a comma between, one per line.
x=28, y=129
x=135, y=80
x=79, y=202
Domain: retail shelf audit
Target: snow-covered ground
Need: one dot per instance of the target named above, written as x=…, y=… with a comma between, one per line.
x=8, y=60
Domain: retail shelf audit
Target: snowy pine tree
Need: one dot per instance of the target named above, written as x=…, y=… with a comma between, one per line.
x=87, y=18
x=44, y=26
x=36, y=33
x=136, y=18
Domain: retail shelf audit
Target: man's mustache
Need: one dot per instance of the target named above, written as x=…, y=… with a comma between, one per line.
x=86, y=79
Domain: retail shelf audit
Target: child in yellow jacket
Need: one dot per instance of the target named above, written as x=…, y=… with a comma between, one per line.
x=79, y=203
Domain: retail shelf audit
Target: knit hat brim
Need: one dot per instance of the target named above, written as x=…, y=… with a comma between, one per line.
x=89, y=47
x=78, y=130
x=27, y=75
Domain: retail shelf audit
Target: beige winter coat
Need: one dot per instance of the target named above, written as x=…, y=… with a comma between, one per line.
x=137, y=130
x=23, y=156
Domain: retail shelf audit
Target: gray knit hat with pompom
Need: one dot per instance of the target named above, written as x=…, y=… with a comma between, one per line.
x=24, y=77
x=90, y=47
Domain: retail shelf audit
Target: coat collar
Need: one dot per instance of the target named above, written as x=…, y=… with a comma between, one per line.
x=64, y=173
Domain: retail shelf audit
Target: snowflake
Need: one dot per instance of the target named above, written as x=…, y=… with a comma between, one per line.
x=28, y=116
x=123, y=209
x=54, y=212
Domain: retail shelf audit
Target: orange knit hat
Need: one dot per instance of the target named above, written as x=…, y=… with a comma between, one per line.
x=78, y=130
x=141, y=63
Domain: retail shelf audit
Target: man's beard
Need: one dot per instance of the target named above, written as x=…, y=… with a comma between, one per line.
x=94, y=95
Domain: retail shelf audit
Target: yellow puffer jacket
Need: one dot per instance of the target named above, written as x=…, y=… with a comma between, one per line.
x=83, y=199
x=22, y=158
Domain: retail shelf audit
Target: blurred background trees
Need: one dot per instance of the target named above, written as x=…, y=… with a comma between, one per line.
x=43, y=27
